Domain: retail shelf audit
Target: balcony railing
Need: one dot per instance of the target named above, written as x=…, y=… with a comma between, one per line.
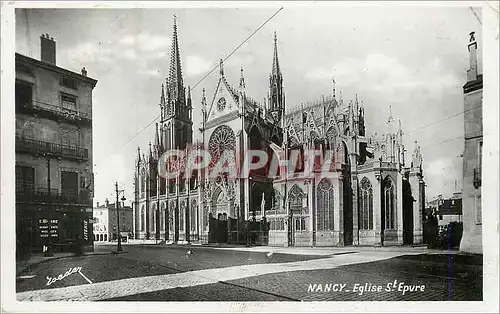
x=57, y=111
x=29, y=145
x=477, y=177
x=53, y=196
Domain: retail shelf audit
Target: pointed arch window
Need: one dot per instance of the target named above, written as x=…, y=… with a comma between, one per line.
x=325, y=206
x=143, y=183
x=152, y=225
x=295, y=199
x=182, y=216
x=142, y=218
x=366, y=208
x=277, y=207
x=162, y=216
x=192, y=217
x=171, y=211
x=389, y=206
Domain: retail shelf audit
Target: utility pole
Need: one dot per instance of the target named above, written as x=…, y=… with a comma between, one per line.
x=49, y=251
x=119, y=248
x=158, y=222
x=186, y=214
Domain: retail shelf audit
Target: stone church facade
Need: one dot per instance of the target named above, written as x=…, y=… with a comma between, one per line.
x=370, y=196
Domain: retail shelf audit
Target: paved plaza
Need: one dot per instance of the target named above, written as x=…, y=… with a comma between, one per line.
x=147, y=272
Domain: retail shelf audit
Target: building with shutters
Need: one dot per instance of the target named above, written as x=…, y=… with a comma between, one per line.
x=54, y=176
x=371, y=195
x=105, y=222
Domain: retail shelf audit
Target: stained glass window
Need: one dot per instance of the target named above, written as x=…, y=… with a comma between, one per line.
x=390, y=213
x=295, y=199
x=222, y=139
x=366, y=207
x=142, y=218
x=192, y=216
x=325, y=205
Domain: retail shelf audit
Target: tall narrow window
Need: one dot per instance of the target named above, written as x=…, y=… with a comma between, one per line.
x=143, y=183
x=69, y=184
x=171, y=211
x=295, y=199
x=277, y=207
x=162, y=216
x=325, y=205
x=24, y=94
x=366, y=212
x=389, y=206
x=25, y=180
x=477, y=207
x=69, y=137
x=296, y=204
x=192, y=216
x=142, y=218
x=181, y=216
x=68, y=102
x=480, y=154
x=69, y=82
x=152, y=225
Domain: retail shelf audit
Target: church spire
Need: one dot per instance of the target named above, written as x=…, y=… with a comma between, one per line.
x=276, y=65
x=242, y=80
x=221, y=67
x=276, y=102
x=333, y=81
x=157, y=139
x=162, y=103
x=176, y=84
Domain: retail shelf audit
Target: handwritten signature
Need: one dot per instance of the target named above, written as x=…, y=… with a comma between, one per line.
x=51, y=280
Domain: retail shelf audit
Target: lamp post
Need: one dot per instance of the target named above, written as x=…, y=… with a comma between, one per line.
x=158, y=222
x=49, y=251
x=119, y=248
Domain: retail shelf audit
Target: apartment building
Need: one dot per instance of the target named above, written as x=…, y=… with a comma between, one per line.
x=54, y=175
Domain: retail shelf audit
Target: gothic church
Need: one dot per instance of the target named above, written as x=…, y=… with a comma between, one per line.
x=371, y=197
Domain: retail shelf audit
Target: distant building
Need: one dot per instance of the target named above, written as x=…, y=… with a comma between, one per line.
x=449, y=210
x=473, y=151
x=54, y=178
x=105, y=222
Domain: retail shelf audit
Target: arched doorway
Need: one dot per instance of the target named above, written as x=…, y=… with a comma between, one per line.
x=218, y=217
x=407, y=213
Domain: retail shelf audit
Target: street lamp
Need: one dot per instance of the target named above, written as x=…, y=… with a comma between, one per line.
x=119, y=248
x=49, y=252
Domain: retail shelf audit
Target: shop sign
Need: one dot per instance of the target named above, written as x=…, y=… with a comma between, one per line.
x=85, y=230
x=47, y=228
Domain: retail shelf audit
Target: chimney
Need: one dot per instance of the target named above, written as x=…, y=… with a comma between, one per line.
x=472, y=72
x=48, y=49
x=107, y=202
x=84, y=71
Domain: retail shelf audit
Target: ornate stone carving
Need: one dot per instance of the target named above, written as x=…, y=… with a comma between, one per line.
x=416, y=157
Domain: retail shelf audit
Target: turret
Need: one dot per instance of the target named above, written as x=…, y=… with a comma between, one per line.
x=276, y=103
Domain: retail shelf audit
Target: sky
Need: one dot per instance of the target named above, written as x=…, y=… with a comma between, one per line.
x=409, y=60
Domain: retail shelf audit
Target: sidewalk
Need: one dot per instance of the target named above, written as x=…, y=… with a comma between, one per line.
x=326, y=251
x=37, y=258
